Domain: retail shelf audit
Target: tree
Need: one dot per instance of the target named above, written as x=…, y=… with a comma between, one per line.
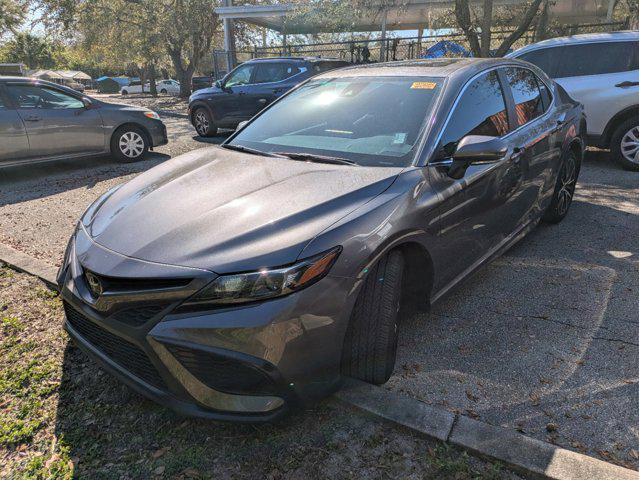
x=36, y=52
x=12, y=14
x=479, y=33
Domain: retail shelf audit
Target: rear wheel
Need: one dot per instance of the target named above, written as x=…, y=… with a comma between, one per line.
x=124, y=92
x=370, y=345
x=203, y=122
x=624, y=145
x=564, y=190
x=163, y=91
x=129, y=144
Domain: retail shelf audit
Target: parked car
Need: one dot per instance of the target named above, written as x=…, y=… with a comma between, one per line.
x=234, y=282
x=170, y=87
x=198, y=83
x=249, y=88
x=136, y=86
x=42, y=121
x=600, y=70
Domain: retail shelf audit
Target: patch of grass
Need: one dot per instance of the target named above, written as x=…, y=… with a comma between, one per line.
x=452, y=464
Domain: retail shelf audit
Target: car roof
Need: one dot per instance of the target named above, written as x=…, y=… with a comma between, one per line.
x=578, y=39
x=298, y=59
x=439, y=67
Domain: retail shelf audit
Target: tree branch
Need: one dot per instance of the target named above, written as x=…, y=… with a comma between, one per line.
x=529, y=16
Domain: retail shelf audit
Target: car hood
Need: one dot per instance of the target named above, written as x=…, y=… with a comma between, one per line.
x=227, y=211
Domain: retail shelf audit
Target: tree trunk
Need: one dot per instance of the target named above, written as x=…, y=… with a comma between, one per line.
x=184, y=74
x=462, y=13
x=152, y=77
x=486, y=26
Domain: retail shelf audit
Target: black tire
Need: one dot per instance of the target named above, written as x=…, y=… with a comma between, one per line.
x=163, y=91
x=564, y=190
x=370, y=346
x=203, y=122
x=622, y=153
x=129, y=144
x=124, y=92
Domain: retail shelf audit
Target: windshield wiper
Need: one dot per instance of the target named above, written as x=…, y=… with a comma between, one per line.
x=252, y=151
x=310, y=157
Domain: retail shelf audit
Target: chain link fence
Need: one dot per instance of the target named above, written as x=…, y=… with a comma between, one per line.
x=392, y=49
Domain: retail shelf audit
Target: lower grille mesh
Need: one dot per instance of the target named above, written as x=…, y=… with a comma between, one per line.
x=116, y=348
x=221, y=373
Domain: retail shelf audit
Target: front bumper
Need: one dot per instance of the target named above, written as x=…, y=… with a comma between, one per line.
x=249, y=363
x=157, y=132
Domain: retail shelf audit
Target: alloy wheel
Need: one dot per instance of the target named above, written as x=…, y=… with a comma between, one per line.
x=567, y=179
x=630, y=145
x=131, y=144
x=201, y=123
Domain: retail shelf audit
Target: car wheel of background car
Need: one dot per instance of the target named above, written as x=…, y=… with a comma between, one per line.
x=163, y=91
x=564, y=190
x=129, y=144
x=624, y=145
x=204, y=123
x=124, y=92
x=370, y=345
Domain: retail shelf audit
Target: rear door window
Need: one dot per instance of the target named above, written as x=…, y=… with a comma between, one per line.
x=481, y=110
x=268, y=72
x=526, y=94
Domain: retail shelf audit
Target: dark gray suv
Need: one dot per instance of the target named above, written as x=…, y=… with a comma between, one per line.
x=43, y=121
x=249, y=88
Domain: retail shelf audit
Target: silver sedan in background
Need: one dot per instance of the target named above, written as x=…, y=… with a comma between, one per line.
x=43, y=121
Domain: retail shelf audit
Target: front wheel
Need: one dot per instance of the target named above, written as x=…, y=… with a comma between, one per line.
x=370, y=346
x=124, y=92
x=163, y=91
x=564, y=190
x=203, y=123
x=129, y=144
x=624, y=145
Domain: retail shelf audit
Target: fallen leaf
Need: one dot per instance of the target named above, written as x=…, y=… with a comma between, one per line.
x=159, y=470
x=551, y=427
x=160, y=452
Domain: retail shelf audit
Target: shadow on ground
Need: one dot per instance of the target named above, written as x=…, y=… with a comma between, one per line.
x=546, y=339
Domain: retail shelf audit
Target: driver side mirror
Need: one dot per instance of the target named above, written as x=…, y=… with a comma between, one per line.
x=218, y=84
x=475, y=150
x=87, y=102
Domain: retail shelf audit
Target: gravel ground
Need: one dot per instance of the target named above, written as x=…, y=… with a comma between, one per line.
x=545, y=340
x=61, y=417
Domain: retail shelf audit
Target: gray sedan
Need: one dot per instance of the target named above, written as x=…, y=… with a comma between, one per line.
x=43, y=121
x=233, y=282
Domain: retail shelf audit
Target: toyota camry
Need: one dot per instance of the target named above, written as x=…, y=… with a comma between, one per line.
x=235, y=282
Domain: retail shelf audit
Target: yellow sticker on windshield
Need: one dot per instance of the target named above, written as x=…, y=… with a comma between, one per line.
x=424, y=85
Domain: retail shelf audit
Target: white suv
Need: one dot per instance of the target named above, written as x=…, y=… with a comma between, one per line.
x=171, y=87
x=600, y=70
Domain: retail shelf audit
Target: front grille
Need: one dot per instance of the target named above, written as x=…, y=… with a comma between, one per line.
x=122, y=284
x=137, y=316
x=223, y=374
x=121, y=351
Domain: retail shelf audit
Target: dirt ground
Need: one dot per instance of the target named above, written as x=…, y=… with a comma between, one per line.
x=61, y=416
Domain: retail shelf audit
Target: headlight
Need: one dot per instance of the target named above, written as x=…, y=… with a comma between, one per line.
x=267, y=283
x=151, y=114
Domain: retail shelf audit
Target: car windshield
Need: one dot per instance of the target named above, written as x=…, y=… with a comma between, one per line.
x=372, y=121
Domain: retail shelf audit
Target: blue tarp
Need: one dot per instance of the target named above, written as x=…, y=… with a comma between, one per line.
x=446, y=48
x=123, y=81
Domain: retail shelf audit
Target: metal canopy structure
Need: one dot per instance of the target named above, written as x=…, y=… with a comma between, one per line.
x=418, y=15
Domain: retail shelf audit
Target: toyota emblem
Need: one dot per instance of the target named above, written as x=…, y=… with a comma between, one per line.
x=94, y=284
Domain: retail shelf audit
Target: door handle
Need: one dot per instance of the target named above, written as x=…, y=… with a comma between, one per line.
x=627, y=84
x=517, y=154
x=33, y=118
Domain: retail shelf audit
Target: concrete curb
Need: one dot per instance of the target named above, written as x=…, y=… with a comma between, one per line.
x=529, y=456
x=26, y=263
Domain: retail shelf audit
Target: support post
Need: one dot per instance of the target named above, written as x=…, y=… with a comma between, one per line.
x=229, y=39
x=382, y=48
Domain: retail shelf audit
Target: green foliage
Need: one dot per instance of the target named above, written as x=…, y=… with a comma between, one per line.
x=35, y=52
x=12, y=14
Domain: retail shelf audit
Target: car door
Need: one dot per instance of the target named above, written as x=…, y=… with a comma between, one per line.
x=536, y=134
x=57, y=122
x=271, y=81
x=14, y=143
x=604, y=76
x=234, y=103
x=477, y=212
